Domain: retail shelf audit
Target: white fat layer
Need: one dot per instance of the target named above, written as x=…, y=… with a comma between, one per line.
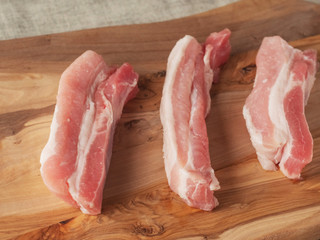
x=49, y=149
x=83, y=147
x=307, y=89
x=285, y=156
x=186, y=175
x=310, y=81
x=255, y=135
x=214, y=183
x=276, y=108
x=83, y=209
x=263, y=153
x=264, y=159
x=208, y=75
x=183, y=186
x=193, y=99
x=166, y=108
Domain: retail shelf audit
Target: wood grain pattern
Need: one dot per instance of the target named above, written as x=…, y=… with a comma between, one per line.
x=138, y=203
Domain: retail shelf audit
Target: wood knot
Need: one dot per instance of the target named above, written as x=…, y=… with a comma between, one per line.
x=248, y=69
x=161, y=73
x=65, y=221
x=132, y=123
x=248, y=74
x=148, y=230
x=145, y=89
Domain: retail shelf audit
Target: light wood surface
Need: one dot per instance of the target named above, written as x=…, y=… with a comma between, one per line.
x=138, y=204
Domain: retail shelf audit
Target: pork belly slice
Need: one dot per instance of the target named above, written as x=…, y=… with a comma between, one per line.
x=274, y=110
x=76, y=158
x=185, y=103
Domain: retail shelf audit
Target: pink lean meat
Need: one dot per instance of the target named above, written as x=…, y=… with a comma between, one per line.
x=75, y=161
x=274, y=110
x=185, y=104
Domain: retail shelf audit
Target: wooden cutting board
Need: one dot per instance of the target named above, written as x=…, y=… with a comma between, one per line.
x=138, y=204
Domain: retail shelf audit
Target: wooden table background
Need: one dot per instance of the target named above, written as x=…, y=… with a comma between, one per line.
x=138, y=204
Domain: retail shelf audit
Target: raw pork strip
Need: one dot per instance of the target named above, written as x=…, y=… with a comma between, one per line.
x=185, y=104
x=75, y=161
x=274, y=110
